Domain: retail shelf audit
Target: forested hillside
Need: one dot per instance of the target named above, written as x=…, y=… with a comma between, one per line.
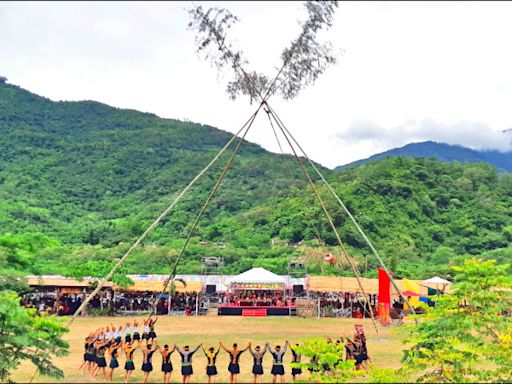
x=445, y=153
x=79, y=181
x=89, y=173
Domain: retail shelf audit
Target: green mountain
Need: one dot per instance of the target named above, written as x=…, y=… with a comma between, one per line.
x=79, y=181
x=445, y=153
x=78, y=169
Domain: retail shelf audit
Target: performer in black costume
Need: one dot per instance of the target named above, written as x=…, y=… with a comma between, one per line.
x=277, y=361
x=166, y=361
x=147, y=364
x=101, y=361
x=362, y=358
x=257, y=367
x=234, y=358
x=186, y=361
x=211, y=368
x=129, y=367
x=136, y=334
x=152, y=333
x=295, y=359
x=89, y=354
x=114, y=363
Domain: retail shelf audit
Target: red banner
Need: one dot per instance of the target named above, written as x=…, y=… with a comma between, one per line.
x=384, y=297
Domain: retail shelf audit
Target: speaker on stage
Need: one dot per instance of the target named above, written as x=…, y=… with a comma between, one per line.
x=298, y=290
x=210, y=289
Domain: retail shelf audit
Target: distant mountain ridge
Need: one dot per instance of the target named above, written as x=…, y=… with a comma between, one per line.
x=443, y=152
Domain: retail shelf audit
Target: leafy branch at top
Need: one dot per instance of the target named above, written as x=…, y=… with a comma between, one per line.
x=302, y=62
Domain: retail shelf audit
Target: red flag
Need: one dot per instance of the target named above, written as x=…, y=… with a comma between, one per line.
x=384, y=297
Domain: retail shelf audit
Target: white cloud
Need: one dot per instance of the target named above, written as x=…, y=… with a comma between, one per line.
x=470, y=134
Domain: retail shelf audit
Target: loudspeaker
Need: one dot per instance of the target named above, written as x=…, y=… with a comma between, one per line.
x=210, y=288
x=298, y=290
x=296, y=264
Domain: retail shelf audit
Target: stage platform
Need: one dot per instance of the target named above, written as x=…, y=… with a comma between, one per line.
x=256, y=311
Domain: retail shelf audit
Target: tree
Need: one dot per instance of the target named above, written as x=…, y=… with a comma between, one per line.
x=302, y=62
x=13, y=280
x=25, y=336
x=324, y=359
x=98, y=269
x=465, y=337
x=507, y=231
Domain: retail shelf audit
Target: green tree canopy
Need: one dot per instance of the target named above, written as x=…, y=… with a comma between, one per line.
x=27, y=337
x=465, y=337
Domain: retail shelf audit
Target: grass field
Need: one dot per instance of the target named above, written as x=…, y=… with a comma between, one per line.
x=385, y=352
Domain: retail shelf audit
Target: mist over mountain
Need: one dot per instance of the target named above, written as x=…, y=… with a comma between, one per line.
x=443, y=152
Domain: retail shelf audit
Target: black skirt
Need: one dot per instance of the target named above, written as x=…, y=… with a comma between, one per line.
x=128, y=338
x=257, y=369
x=167, y=367
x=129, y=366
x=360, y=358
x=113, y=363
x=187, y=370
x=90, y=357
x=277, y=370
x=101, y=361
x=211, y=370
x=147, y=367
x=85, y=356
x=152, y=335
x=234, y=368
x=296, y=371
x=145, y=336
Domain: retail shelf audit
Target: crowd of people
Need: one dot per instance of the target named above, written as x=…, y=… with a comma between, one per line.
x=333, y=302
x=67, y=304
x=46, y=304
x=141, y=336
x=258, y=299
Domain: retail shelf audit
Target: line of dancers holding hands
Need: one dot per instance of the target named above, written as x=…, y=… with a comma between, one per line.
x=110, y=340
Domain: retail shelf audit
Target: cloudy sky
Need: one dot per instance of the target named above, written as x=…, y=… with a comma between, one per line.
x=407, y=72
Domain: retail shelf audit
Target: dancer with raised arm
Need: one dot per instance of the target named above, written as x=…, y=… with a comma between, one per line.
x=129, y=367
x=98, y=342
x=89, y=354
x=166, y=361
x=147, y=363
x=362, y=360
x=136, y=334
x=118, y=334
x=101, y=361
x=277, y=361
x=211, y=368
x=186, y=361
x=152, y=333
x=257, y=367
x=234, y=358
x=128, y=333
x=145, y=329
x=114, y=362
x=296, y=357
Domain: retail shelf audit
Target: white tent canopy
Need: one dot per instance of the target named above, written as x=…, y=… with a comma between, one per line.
x=437, y=280
x=257, y=276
